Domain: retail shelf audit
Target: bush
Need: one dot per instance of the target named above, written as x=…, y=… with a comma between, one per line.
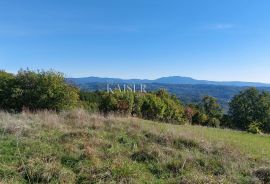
x=137, y=106
x=118, y=102
x=213, y=122
x=159, y=106
x=7, y=91
x=255, y=128
x=174, y=111
x=226, y=121
x=108, y=103
x=36, y=91
x=200, y=118
x=125, y=102
x=153, y=108
x=90, y=100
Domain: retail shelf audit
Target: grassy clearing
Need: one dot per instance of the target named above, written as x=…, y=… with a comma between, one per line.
x=77, y=147
x=256, y=146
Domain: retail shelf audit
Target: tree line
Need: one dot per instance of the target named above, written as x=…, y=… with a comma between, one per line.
x=38, y=90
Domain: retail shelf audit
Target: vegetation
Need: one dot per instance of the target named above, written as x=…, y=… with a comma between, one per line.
x=78, y=147
x=251, y=109
x=55, y=135
x=187, y=93
x=159, y=105
x=35, y=91
x=207, y=113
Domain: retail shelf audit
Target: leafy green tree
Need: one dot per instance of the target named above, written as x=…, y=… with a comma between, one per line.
x=153, y=108
x=125, y=102
x=108, y=103
x=137, y=106
x=174, y=111
x=248, y=107
x=90, y=100
x=36, y=91
x=210, y=107
x=7, y=81
x=45, y=90
x=200, y=118
x=207, y=113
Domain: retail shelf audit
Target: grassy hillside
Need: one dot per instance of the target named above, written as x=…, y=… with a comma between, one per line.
x=77, y=147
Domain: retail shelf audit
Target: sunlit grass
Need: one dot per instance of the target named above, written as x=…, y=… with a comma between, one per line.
x=78, y=147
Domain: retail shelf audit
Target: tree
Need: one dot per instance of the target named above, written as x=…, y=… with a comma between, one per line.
x=45, y=90
x=108, y=103
x=153, y=108
x=90, y=100
x=208, y=112
x=200, y=118
x=36, y=91
x=6, y=90
x=125, y=102
x=137, y=106
x=211, y=108
x=248, y=107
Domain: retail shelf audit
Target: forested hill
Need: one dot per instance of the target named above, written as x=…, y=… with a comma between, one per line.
x=188, y=93
x=166, y=80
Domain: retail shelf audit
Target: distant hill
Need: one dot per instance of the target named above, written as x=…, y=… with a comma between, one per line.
x=188, y=90
x=166, y=80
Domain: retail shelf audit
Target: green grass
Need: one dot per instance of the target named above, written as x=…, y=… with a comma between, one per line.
x=77, y=147
x=257, y=146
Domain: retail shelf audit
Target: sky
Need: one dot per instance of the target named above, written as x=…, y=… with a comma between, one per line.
x=220, y=40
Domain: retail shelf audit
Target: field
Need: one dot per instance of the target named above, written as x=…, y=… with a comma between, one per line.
x=78, y=147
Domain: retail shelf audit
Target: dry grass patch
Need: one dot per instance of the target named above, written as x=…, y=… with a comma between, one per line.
x=79, y=147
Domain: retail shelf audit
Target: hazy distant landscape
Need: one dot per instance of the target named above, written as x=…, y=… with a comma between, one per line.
x=188, y=90
x=165, y=80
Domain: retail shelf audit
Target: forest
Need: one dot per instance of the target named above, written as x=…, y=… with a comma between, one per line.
x=249, y=110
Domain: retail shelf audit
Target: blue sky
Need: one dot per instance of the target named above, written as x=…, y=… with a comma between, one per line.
x=219, y=40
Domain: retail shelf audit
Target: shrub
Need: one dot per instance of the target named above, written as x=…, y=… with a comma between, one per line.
x=6, y=90
x=125, y=102
x=137, y=106
x=108, y=103
x=45, y=90
x=153, y=108
x=36, y=91
x=90, y=100
x=174, y=111
x=200, y=118
x=255, y=128
x=213, y=122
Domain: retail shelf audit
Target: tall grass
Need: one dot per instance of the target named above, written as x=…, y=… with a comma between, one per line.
x=79, y=147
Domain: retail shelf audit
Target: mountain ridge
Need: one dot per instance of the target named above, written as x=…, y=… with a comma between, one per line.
x=166, y=80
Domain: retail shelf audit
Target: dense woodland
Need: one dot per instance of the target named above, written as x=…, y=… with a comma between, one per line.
x=187, y=93
x=38, y=90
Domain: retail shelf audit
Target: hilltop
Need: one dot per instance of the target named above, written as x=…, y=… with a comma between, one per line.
x=78, y=147
x=166, y=80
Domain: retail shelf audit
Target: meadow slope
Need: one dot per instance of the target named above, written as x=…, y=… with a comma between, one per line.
x=78, y=147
